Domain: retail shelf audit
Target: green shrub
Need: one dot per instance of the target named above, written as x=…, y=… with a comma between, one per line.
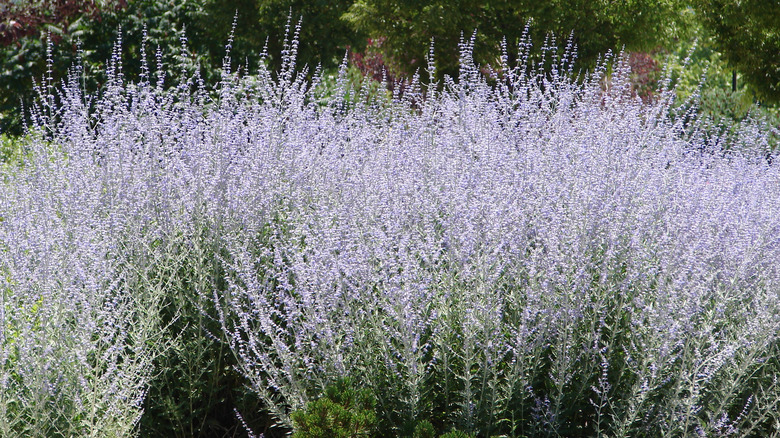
x=456, y=434
x=344, y=412
x=424, y=429
x=9, y=149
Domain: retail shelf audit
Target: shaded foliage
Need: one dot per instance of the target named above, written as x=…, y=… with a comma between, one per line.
x=746, y=32
x=20, y=19
x=190, y=32
x=596, y=26
x=25, y=60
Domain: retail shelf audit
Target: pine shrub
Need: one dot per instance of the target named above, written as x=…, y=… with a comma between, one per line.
x=344, y=411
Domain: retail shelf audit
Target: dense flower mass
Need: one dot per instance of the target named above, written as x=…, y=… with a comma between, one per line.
x=519, y=254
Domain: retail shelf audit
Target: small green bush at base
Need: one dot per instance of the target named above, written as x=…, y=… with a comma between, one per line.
x=424, y=429
x=456, y=434
x=343, y=412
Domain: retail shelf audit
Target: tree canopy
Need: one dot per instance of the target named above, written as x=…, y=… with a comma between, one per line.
x=747, y=33
x=595, y=26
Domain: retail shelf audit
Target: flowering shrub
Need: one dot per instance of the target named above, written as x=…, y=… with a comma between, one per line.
x=538, y=256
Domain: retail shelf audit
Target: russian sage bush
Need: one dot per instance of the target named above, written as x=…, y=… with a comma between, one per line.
x=540, y=256
x=521, y=254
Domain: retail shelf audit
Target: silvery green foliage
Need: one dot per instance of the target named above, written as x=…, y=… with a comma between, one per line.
x=522, y=256
x=81, y=228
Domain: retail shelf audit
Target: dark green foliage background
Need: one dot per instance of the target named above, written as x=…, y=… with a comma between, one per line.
x=596, y=26
x=745, y=33
x=206, y=24
x=91, y=43
x=748, y=34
